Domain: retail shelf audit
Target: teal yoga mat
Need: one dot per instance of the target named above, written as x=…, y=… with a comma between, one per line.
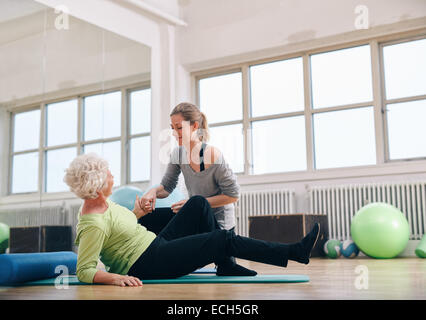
x=191, y=278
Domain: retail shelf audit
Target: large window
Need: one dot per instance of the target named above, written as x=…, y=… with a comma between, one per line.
x=102, y=129
x=276, y=117
x=321, y=109
x=279, y=145
x=60, y=142
x=404, y=68
x=341, y=77
x=343, y=136
x=140, y=140
x=47, y=138
x=221, y=100
x=277, y=87
x=25, y=152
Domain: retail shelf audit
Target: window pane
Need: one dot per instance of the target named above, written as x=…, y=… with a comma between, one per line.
x=61, y=123
x=344, y=138
x=140, y=111
x=110, y=151
x=405, y=69
x=277, y=87
x=140, y=159
x=26, y=133
x=341, y=77
x=56, y=163
x=230, y=141
x=279, y=145
x=102, y=116
x=25, y=173
x=407, y=130
x=221, y=97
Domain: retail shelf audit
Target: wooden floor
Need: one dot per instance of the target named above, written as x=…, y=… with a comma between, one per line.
x=403, y=278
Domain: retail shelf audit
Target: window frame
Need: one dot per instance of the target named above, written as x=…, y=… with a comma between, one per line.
x=232, y=122
x=378, y=103
x=126, y=148
x=42, y=149
x=385, y=102
x=28, y=108
x=82, y=142
x=365, y=104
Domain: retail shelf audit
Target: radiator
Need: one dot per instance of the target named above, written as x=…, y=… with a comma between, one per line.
x=342, y=202
x=255, y=203
x=31, y=217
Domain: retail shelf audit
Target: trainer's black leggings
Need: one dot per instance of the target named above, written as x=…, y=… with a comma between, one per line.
x=192, y=239
x=160, y=217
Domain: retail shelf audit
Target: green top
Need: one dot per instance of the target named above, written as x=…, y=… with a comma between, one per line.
x=114, y=237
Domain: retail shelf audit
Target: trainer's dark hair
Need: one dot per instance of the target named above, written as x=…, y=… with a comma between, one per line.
x=190, y=112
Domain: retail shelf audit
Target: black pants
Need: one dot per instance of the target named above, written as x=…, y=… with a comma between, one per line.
x=192, y=239
x=157, y=220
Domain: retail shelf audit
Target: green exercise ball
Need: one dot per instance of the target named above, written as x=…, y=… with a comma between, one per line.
x=4, y=237
x=380, y=230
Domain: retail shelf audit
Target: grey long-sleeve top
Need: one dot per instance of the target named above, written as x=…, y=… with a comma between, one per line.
x=214, y=180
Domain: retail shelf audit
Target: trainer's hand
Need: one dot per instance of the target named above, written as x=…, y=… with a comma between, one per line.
x=129, y=281
x=178, y=205
x=140, y=208
x=149, y=197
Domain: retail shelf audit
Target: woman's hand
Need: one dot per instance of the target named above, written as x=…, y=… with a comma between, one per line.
x=115, y=279
x=141, y=208
x=178, y=205
x=123, y=281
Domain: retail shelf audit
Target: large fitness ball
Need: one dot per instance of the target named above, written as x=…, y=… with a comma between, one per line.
x=4, y=237
x=380, y=230
x=125, y=196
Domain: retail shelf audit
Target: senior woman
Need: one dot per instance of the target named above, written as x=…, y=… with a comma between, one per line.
x=130, y=252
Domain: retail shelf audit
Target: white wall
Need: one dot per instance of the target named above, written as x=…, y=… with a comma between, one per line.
x=224, y=28
x=73, y=58
x=135, y=24
x=119, y=20
x=170, y=7
x=221, y=33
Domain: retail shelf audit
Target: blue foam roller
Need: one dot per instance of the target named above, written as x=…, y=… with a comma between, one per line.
x=22, y=267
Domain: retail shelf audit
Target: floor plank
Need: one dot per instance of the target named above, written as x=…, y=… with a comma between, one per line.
x=358, y=279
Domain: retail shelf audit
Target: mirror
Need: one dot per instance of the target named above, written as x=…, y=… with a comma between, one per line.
x=67, y=87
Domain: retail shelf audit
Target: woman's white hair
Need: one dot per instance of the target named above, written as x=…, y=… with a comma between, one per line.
x=86, y=175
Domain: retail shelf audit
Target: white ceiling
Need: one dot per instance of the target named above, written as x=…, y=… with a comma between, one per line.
x=14, y=9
